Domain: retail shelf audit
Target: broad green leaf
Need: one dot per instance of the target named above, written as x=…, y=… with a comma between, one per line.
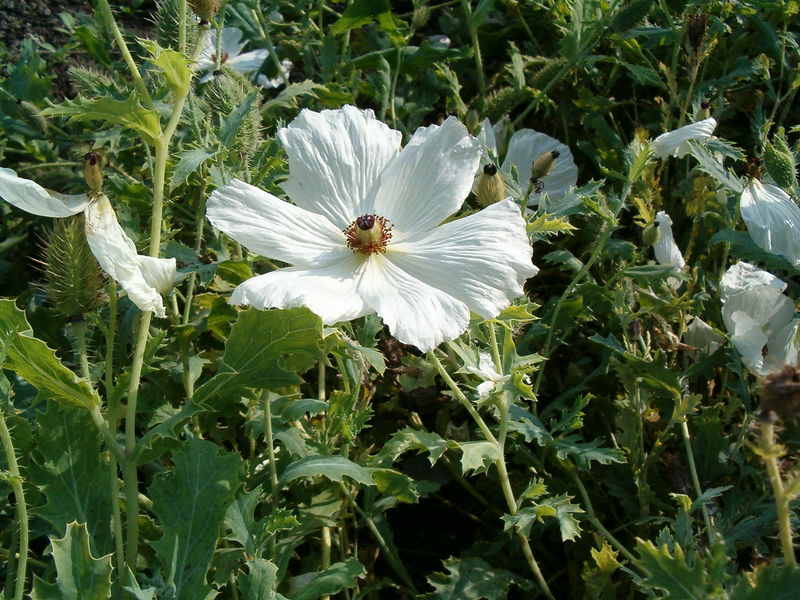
x=128, y=113
x=80, y=576
x=472, y=579
x=770, y=581
x=412, y=439
x=189, y=162
x=72, y=474
x=360, y=13
x=477, y=455
x=240, y=518
x=681, y=577
x=190, y=503
x=339, y=576
x=32, y=360
x=257, y=349
x=260, y=580
x=174, y=66
x=397, y=484
x=330, y=467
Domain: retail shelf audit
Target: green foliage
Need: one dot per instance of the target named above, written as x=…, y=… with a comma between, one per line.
x=127, y=113
x=471, y=579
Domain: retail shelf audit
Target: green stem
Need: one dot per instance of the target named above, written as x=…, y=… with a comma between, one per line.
x=22, y=509
x=182, y=27
x=476, y=47
x=770, y=452
x=264, y=30
x=687, y=442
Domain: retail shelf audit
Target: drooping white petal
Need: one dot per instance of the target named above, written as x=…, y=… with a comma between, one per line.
x=702, y=336
x=772, y=219
x=335, y=158
x=429, y=179
x=744, y=276
x=33, y=198
x=274, y=228
x=117, y=256
x=675, y=143
x=482, y=260
x=330, y=292
x=487, y=137
x=159, y=273
x=665, y=249
x=758, y=317
x=231, y=43
x=782, y=345
x=415, y=312
x=247, y=62
x=524, y=147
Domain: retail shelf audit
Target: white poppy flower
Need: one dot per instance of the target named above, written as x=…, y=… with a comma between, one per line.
x=363, y=233
x=665, y=248
x=772, y=219
x=524, y=147
x=232, y=56
x=702, y=336
x=272, y=82
x=486, y=370
x=743, y=276
x=144, y=278
x=676, y=143
x=760, y=320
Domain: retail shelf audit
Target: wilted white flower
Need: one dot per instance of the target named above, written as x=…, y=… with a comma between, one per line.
x=364, y=234
x=524, y=147
x=772, y=219
x=665, y=248
x=144, y=278
x=676, y=143
x=487, y=371
x=702, y=336
x=232, y=56
x=760, y=320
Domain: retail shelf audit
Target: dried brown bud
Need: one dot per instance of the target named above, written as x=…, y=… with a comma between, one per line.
x=755, y=167
x=205, y=9
x=696, y=30
x=92, y=170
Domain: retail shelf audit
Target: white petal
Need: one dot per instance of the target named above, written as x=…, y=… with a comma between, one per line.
x=485, y=388
x=335, y=158
x=782, y=345
x=673, y=143
x=486, y=369
x=274, y=228
x=248, y=62
x=702, y=336
x=486, y=136
x=748, y=338
x=117, y=255
x=270, y=83
x=330, y=292
x=231, y=43
x=159, y=273
x=772, y=219
x=33, y=198
x=665, y=249
x=482, y=260
x=430, y=178
x=524, y=147
x=415, y=313
x=744, y=276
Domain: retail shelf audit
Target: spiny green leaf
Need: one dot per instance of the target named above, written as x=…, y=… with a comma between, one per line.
x=32, y=360
x=288, y=97
x=80, y=576
x=128, y=113
x=339, y=576
x=189, y=161
x=680, y=576
x=477, y=455
x=260, y=580
x=771, y=581
x=549, y=225
x=174, y=66
x=190, y=503
x=472, y=579
x=413, y=439
x=330, y=467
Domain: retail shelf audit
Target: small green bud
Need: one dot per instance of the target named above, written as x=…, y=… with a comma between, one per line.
x=73, y=279
x=542, y=166
x=420, y=15
x=491, y=188
x=92, y=170
x=780, y=161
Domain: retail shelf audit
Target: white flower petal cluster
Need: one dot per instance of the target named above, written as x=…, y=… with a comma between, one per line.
x=665, y=248
x=231, y=47
x=487, y=371
x=772, y=219
x=760, y=319
x=364, y=231
x=144, y=278
x=702, y=336
x=524, y=147
x=676, y=143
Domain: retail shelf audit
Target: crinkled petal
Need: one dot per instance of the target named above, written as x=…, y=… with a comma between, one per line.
x=482, y=260
x=33, y=198
x=744, y=276
x=335, y=158
x=772, y=219
x=117, y=256
x=159, y=273
x=330, y=292
x=415, y=312
x=748, y=338
x=524, y=147
x=782, y=346
x=430, y=178
x=674, y=143
x=247, y=62
x=702, y=336
x=665, y=249
x=274, y=228
x=487, y=137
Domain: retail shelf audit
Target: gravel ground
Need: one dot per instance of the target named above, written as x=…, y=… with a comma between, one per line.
x=38, y=18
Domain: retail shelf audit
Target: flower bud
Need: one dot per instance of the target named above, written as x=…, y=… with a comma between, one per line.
x=92, y=170
x=544, y=164
x=704, y=112
x=696, y=30
x=779, y=161
x=491, y=188
x=205, y=9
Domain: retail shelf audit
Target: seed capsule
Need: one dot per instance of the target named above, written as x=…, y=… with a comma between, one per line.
x=704, y=112
x=544, y=164
x=205, y=9
x=491, y=188
x=92, y=170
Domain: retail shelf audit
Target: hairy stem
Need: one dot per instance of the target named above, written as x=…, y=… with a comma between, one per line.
x=770, y=452
x=22, y=509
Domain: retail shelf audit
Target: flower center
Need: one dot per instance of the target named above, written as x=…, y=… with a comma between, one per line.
x=222, y=60
x=368, y=234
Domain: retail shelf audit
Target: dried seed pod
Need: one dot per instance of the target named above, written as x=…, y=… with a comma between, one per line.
x=205, y=9
x=491, y=188
x=92, y=170
x=696, y=30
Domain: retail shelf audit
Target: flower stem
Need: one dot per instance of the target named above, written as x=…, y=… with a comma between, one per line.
x=22, y=509
x=770, y=452
x=687, y=442
x=476, y=47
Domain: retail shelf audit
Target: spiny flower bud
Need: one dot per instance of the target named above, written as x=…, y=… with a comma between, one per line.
x=696, y=30
x=92, y=170
x=205, y=9
x=779, y=160
x=704, y=112
x=651, y=235
x=73, y=279
x=491, y=188
x=544, y=164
